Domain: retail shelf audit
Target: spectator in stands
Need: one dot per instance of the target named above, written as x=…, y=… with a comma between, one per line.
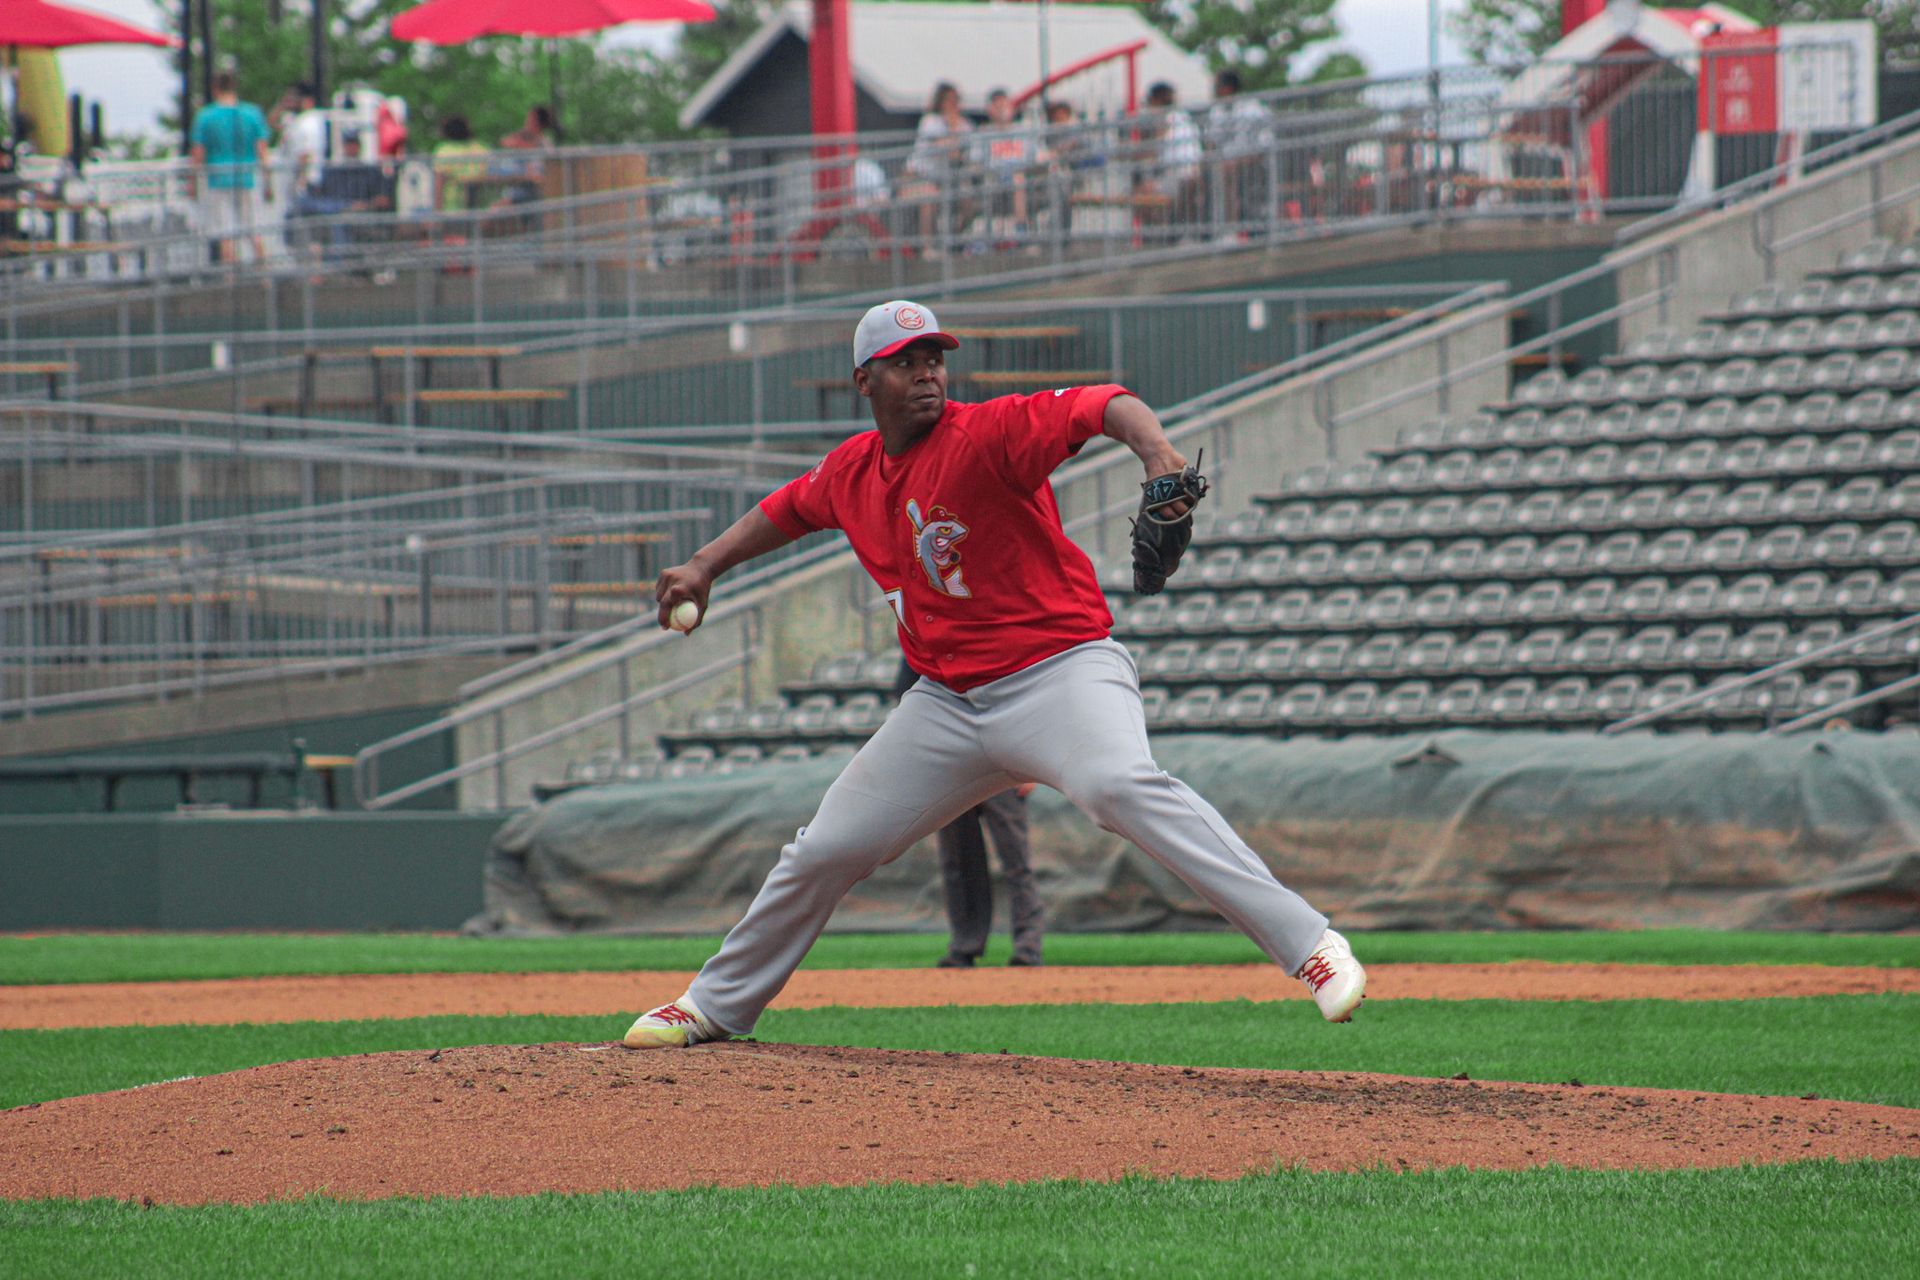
x=352, y=184
x=1239, y=129
x=536, y=133
x=303, y=136
x=1169, y=182
x=966, y=881
x=458, y=162
x=1005, y=151
x=933, y=168
x=230, y=175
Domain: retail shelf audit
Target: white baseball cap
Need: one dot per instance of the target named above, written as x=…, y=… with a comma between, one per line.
x=893, y=325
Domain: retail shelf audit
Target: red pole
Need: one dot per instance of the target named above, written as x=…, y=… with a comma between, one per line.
x=830, y=68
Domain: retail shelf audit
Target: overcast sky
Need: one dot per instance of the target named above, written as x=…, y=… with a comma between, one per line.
x=136, y=85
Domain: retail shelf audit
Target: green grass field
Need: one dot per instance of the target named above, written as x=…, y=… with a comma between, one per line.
x=1791, y=1220
x=150, y=957
x=1824, y=1219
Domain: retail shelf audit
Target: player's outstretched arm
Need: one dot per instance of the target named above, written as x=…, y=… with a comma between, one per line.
x=1133, y=424
x=753, y=534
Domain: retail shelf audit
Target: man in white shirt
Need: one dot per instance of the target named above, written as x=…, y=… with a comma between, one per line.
x=1240, y=132
x=303, y=139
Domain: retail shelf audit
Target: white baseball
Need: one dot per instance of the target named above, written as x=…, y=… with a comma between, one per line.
x=684, y=616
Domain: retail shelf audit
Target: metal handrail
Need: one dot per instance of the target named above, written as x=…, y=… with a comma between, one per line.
x=1879, y=693
x=1721, y=689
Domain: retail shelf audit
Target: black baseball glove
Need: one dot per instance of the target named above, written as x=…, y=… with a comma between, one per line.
x=1159, y=540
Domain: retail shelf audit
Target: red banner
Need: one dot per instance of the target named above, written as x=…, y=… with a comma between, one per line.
x=1739, y=82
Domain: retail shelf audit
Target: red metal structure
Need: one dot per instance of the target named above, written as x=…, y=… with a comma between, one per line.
x=1129, y=52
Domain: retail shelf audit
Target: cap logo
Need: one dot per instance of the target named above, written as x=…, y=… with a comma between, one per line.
x=909, y=318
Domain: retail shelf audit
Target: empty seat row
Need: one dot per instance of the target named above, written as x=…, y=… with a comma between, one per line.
x=1520, y=702
x=1467, y=471
x=1500, y=603
x=1737, y=376
x=1770, y=414
x=1864, y=291
x=1644, y=507
x=1882, y=254
x=856, y=671
x=1733, y=549
x=1804, y=335
x=1589, y=651
x=816, y=715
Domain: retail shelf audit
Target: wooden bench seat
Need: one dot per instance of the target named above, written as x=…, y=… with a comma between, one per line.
x=51, y=370
x=443, y=353
x=488, y=395
x=989, y=333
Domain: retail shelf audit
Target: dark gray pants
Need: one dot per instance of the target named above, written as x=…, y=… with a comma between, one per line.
x=969, y=885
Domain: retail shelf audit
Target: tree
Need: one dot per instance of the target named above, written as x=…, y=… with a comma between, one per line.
x=605, y=95
x=1259, y=39
x=1505, y=32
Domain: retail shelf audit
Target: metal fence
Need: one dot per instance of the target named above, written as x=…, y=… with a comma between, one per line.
x=680, y=234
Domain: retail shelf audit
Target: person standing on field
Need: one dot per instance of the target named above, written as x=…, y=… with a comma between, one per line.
x=949, y=509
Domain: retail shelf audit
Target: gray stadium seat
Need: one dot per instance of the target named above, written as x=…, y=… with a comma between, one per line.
x=1684, y=379
x=1694, y=459
x=1695, y=597
x=1549, y=465
x=1354, y=705
x=1501, y=467
x=839, y=670
x=1290, y=608
x=1528, y=427
x=1339, y=608
x=1746, y=456
x=1814, y=412
x=1226, y=658
x=1486, y=603
x=1563, y=699
x=1564, y=553
x=1293, y=520
x=1363, y=560
x=1278, y=657
x=1410, y=559
x=1406, y=472
x=1195, y=613
x=1591, y=599
x=1384, y=519
x=1860, y=496
x=1896, y=329
x=1614, y=552
x=1538, y=510
x=792, y=753
x=1543, y=388
x=721, y=717
x=1762, y=645
x=1243, y=611
x=880, y=670
x=1303, y=704
x=688, y=762
x=1654, y=346
x=1763, y=415
x=1750, y=596
x=1539, y=601
x=1902, y=594
x=1437, y=605
x=1219, y=566
x=1338, y=519
x=1649, y=646
x=1744, y=502
x=745, y=756
x=1438, y=515
x=1734, y=377
x=1150, y=616
x=1459, y=702
x=1511, y=555
x=1836, y=543
x=1641, y=599
x=1432, y=652
x=1784, y=374
x=1706, y=645
x=766, y=717
x=1594, y=648
x=1453, y=470
x=1387, y=606
x=1194, y=709
x=1884, y=369
x=1723, y=547
x=1247, y=706
x=1270, y=566
x=1903, y=498
x=1845, y=452
x=1538, y=649
x=1407, y=703
x=862, y=713
x=1377, y=655
x=1706, y=340
x=1597, y=464
x=1896, y=540
x=1669, y=550
x=1780, y=548
x=1694, y=504
x=1174, y=659
x=1326, y=656
x=1483, y=651
x=1833, y=370
x=1900, y=451
x=1636, y=383
x=1817, y=636
x=1512, y=701
x=1153, y=701
x=1665, y=691
x=1591, y=509
x=1460, y=559
x=1832, y=688
x=1615, y=698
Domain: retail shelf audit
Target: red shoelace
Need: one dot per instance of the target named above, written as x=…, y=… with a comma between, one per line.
x=672, y=1015
x=1314, y=972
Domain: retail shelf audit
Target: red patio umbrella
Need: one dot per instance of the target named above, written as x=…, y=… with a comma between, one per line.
x=458, y=21
x=35, y=24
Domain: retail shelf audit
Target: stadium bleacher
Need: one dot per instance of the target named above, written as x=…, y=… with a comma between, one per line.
x=1701, y=506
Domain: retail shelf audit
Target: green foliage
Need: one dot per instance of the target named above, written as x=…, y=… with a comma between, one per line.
x=1808, y=1219
x=604, y=95
x=1260, y=39
x=1738, y=1046
x=1507, y=32
x=149, y=957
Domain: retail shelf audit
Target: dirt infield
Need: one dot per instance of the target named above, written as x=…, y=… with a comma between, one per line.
x=516, y=1120
x=325, y=999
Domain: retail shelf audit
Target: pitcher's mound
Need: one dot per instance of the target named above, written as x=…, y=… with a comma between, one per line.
x=512, y=1120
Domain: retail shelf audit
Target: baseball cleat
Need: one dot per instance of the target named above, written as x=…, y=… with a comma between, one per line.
x=675, y=1025
x=1334, y=977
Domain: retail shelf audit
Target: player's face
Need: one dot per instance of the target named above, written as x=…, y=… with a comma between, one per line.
x=908, y=389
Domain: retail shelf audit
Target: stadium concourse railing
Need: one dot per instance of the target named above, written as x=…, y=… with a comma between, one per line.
x=1333, y=158
x=617, y=687
x=745, y=376
x=140, y=581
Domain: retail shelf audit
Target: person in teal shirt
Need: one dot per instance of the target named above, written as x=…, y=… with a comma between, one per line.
x=230, y=166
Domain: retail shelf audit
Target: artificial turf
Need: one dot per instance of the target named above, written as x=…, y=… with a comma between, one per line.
x=1808, y=1219
x=1851, y=1047
x=142, y=957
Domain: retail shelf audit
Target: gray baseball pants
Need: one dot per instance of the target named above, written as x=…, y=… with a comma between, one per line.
x=1072, y=722
x=969, y=885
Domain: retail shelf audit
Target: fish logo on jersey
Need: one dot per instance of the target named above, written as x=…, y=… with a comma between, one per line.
x=936, y=542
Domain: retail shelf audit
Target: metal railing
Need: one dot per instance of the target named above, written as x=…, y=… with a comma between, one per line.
x=1093, y=487
x=1328, y=158
x=1738, y=684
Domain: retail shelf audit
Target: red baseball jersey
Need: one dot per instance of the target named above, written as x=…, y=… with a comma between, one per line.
x=963, y=535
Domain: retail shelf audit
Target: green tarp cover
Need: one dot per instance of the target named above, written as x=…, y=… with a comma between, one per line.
x=1450, y=831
